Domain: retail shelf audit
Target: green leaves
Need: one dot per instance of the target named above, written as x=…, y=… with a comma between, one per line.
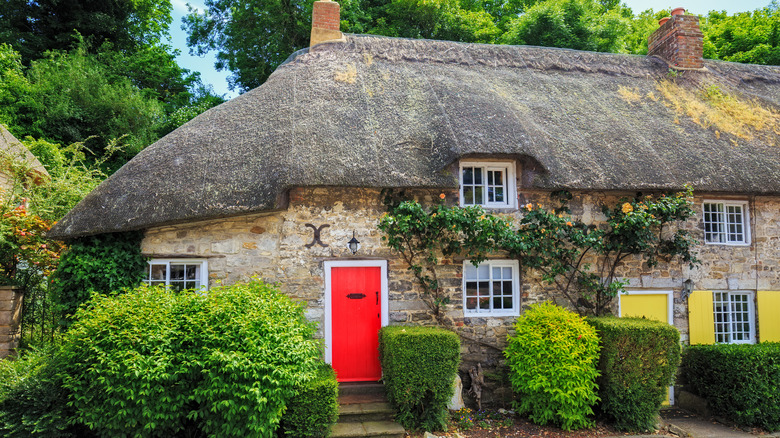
x=152, y=362
x=552, y=360
x=419, y=366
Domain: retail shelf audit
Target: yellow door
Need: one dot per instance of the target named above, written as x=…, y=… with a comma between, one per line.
x=651, y=305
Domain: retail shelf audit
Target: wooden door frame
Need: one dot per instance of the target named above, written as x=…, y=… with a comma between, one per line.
x=385, y=313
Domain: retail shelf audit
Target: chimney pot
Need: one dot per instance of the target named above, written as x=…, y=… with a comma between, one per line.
x=678, y=11
x=663, y=20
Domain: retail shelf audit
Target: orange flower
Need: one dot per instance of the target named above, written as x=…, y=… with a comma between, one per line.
x=529, y=207
x=627, y=208
x=442, y=196
x=568, y=223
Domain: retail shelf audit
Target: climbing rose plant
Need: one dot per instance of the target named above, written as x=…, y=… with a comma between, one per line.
x=580, y=260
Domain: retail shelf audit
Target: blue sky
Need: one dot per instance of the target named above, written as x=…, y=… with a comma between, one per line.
x=218, y=79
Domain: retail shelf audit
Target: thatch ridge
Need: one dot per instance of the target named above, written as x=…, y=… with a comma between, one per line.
x=390, y=112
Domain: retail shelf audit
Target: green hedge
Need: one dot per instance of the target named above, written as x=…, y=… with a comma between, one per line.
x=639, y=358
x=419, y=365
x=32, y=401
x=739, y=382
x=153, y=362
x=552, y=366
x=314, y=408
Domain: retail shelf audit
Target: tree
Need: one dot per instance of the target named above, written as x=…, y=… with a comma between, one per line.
x=573, y=24
x=748, y=37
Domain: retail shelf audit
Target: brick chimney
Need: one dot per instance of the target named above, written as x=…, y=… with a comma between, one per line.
x=678, y=41
x=325, y=22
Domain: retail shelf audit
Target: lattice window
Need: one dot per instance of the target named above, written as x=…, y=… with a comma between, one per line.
x=725, y=222
x=490, y=184
x=178, y=274
x=734, y=321
x=491, y=288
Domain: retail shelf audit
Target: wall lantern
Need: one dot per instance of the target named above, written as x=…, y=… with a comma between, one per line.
x=354, y=244
x=687, y=288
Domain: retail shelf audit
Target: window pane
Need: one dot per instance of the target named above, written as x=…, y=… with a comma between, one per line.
x=484, y=271
x=496, y=273
x=484, y=303
x=497, y=303
x=499, y=194
x=471, y=289
x=468, y=175
x=177, y=272
x=507, y=288
x=471, y=303
x=191, y=285
x=468, y=195
x=177, y=286
x=478, y=175
x=193, y=272
x=478, y=195
x=507, y=302
x=507, y=273
x=158, y=272
x=471, y=272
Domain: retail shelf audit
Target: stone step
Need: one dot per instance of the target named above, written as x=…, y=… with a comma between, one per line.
x=361, y=388
x=373, y=429
x=363, y=412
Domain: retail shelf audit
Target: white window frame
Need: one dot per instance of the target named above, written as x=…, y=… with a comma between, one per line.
x=751, y=316
x=515, y=310
x=204, y=270
x=510, y=188
x=725, y=223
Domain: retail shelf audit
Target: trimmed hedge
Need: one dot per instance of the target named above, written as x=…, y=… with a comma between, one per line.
x=315, y=407
x=552, y=366
x=419, y=365
x=153, y=362
x=739, y=382
x=639, y=358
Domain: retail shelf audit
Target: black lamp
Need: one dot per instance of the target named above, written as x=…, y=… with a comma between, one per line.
x=354, y=244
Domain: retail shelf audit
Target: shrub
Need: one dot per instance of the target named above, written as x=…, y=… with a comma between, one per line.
x=315, y=406
x=32, y=402
x=151, y=362
x=419, y=365
x=552, y=366
x=639, y=358
x=739, y=382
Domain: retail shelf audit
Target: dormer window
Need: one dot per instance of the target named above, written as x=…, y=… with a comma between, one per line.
x=726, y=222
x=490, y=184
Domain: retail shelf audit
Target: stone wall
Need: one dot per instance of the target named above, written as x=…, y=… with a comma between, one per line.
x=10, y=319
x=272, y=246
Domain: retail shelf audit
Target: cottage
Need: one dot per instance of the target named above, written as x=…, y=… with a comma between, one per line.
x=276, y=182
x=14, y=156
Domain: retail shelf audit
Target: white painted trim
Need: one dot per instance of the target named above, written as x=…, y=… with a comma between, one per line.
x=507, y=166
x=204, y=269
x=385, y=314
x=745, y=220
x=669, y=301
x=669, y=316
x=751, y=302
x=515, y=311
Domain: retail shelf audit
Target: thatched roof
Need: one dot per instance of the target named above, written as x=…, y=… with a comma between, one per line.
x=387, y=112
x=14, y=149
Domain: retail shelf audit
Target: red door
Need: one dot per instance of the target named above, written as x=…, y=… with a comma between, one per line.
x=355, y=297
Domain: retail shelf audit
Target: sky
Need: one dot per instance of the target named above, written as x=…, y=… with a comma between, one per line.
x=218, y=79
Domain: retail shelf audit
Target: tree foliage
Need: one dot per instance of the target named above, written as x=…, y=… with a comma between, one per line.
x=748, y=37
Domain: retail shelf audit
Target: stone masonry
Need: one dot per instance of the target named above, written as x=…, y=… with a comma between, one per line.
x=10, y=318
x=271, y=246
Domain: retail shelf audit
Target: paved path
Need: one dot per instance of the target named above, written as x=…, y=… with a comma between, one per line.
x=684, y=423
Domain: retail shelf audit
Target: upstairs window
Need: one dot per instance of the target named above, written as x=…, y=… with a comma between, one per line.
x=489, y=184
x=734, y=317
x=491, y=289
x=178, y=274
x=726, y=223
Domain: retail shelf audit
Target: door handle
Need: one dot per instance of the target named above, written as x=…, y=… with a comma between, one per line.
x=356, y=296
x=377, y=298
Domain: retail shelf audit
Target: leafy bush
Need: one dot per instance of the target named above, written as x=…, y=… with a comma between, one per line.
x=419, y=365
x=552, y=366
x=739, y=382
x=151, y=362
x=315, y=406
x=32, y=402
x=639, y=358
x=102, y=264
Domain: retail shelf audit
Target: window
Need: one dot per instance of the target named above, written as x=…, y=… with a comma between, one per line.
x=733, y=317
x=491, y=289
x=726, y=222
x=489, y=184
x=178, y=274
